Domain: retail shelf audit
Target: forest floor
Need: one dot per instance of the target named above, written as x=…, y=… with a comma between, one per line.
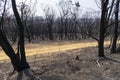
x=45, y=47
x=60, y=63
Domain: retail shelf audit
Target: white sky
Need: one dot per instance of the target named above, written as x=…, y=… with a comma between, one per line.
x=85, y=5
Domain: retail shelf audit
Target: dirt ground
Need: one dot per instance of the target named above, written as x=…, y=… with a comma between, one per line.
x=63, y=65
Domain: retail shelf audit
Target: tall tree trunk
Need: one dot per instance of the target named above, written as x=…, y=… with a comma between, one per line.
x=7, y=47
x=24, y=64
x=115, y=37
x=103, y=27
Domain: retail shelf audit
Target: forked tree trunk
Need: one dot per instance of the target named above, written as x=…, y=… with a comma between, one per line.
x=23, y=62
x=7, y=47
x=9, y=51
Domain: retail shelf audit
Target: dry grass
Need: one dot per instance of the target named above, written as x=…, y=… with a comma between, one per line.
x=51, y=47
x=56, y=61
x=64, y=66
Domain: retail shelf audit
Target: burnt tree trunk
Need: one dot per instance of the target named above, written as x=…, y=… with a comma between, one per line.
x=24, y=64
x=9, y=51
x=103, y=27
x=115, y=37
x=8, y=48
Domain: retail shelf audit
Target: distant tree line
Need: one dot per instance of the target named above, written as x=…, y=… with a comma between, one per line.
x=67, y=26
x=51, y=29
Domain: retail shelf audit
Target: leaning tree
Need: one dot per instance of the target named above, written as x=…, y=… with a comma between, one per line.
x=18, y=59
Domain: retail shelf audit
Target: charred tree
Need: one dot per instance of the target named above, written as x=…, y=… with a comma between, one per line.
x=21, y=47
x=8, y=48
x=115, y=37
x=103, y=27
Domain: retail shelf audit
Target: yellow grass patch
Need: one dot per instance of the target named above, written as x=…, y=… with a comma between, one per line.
x=32, y=49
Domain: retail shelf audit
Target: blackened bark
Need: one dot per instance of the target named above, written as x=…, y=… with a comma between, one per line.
x=9, y=51
x=101, y=46
x=103, y=27
x=115, y=37
x=7, y=47
x=24, y=64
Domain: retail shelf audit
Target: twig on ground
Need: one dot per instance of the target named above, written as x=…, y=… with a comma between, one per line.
x=98, y=63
